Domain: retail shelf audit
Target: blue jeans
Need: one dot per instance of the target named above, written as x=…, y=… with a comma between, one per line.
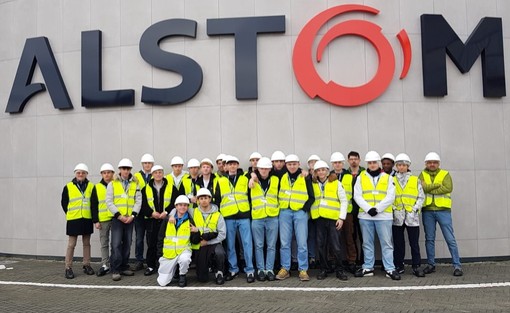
x=312, y=237
x=294, y=222
x=140, y=235
x=121, y=245
x=265, y=228
x=444, y=218
x=384, y=233
x=243, y=225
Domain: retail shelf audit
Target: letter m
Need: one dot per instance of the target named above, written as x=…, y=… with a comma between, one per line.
x=439, y=39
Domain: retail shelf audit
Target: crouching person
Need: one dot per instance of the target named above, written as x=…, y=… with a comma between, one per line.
x=174, y=244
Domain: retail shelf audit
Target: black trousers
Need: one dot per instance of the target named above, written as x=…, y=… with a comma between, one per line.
x=209, y=256
x=399, y=245
x=152, y=227
x=327, y=234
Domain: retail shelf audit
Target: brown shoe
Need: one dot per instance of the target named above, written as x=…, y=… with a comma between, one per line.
x=303, y=276
x=282, y=274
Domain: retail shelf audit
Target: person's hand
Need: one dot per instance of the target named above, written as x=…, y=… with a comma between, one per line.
x=156, y=215
x=171, y=219
x=251, y=183
x=339, y=223
x=98, y=225
x=193, y=228
x=129, y=219
x=193, y=199
x=372, y=212
x=203, y=243
x=162, y=215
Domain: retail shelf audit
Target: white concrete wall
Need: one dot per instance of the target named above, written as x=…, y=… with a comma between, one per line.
x=41, y=146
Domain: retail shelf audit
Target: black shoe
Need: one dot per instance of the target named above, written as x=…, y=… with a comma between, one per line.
x=271, y=276
x=393, y=275
x=261, y=276
x=341, y=275
x=322, y=275
x=400, y=270
x=127, y=273
x=231, y=276
x=429, y=269
x=69, y=273
x=311, y=263
x=458, y=272
x=149, y=271
x=102, y=271
x=220, y=280
x=88, y=270
x=182, y=281
x=363, y=272
x=418, y=272
x=250, y=278
x=294, y=266
x=138, y=266
x=351, y=268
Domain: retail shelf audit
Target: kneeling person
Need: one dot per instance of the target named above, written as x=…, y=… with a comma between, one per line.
x=174, y=244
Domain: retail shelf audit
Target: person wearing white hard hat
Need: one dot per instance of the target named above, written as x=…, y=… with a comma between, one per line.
x=355, y=169
x=374, y=192
x=207, y=178
x=75, y=202
x=295, y=198
x=232, y=198
x=175, y=178
x=124, y=201
x=264, y=214
x=337, y=160
x=212, y=230
x=143, y=176
x=220, y=163
x=311, y=161
x=101, y=216
x=438, y=185
x=278, y=160
x=253, y=159
x=388, y=164
x=189, y=181
x=329, y=212
x=174, y=243
x=409, y=197
x=156, y=197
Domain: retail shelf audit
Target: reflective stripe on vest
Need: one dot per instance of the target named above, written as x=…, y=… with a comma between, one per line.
x=327, y=204
x=234, y=199
x=347, y=184
x=441, y=201
x=210, y=225
x=124, y=202
x=176, y=241
x=375, y=195
x=167, y=197
x=406, y=198
x=294, y=196
x=104, y=215
x=79, y=203
x=265, y=204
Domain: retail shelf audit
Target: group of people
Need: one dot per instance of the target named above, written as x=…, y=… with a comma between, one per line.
x=232, y=220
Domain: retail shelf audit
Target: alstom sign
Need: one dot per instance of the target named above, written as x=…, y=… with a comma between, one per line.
x=438, y=40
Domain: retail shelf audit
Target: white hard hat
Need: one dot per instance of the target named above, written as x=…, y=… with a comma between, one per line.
x=402, y=157
x=291, y=158
x=125, y=163
x=388, y=156
x=221, y=156
x=147, y=158
x=320, y=164
x=177, y=160
x=156, y=168
x=337, y=157
x=182, y=199
x=81, y=167
x=278, y=156
x=203, y=192
x=264, y=163
x=372, y=156
x=432, y=156
x=106, y=167
x=313, y=157
x=193, y=163
x=255, y=155
x=231, y=158
x=208, y=161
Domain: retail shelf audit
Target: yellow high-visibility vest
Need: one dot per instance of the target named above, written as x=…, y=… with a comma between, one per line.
x=347, y=184
x=265, y=204
x=234, y=199
x=104, y=215
x=405, y=198
x=294, y=196
x=167, y=197
x=441, y=201
x=122, y=200
x=210, y=225
x=375, y=195
x=79, y=203
x=327, y=204
x=176, y=241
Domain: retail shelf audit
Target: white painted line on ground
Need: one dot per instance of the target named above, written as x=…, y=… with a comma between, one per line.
x=223, y=288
